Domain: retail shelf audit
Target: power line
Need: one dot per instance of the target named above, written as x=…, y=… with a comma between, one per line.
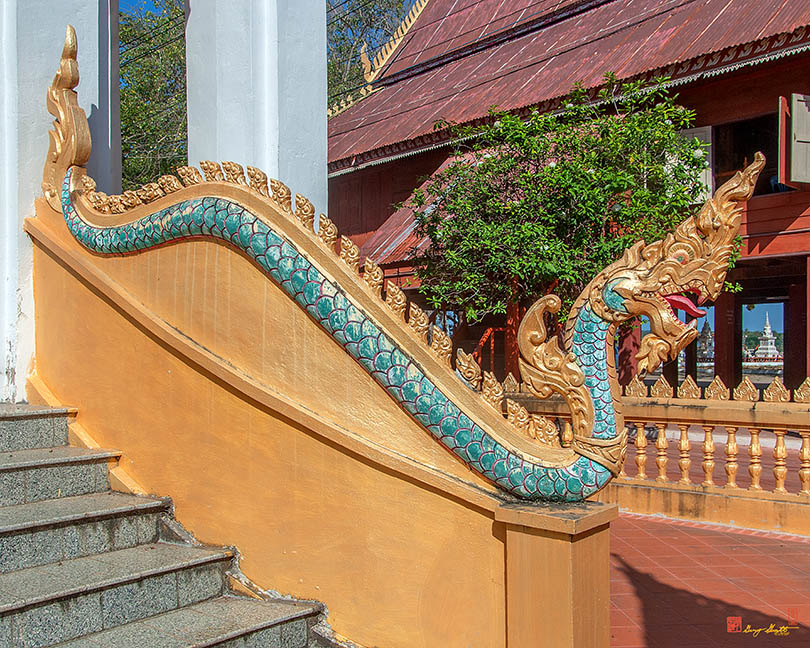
x=348, y=13
x=181, y=97
x=153, y=50
x=151, y=36
x=150, y=33
x=336, y=7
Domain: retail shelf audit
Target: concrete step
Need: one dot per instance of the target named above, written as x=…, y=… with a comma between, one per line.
x=46, y=605
x=46, y=473
x=31, y=426
x=61, y=529
x=225, y=622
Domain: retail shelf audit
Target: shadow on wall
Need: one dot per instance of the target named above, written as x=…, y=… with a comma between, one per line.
x=677, y=617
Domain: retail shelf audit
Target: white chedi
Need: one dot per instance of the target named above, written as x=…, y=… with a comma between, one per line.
x=767, y=342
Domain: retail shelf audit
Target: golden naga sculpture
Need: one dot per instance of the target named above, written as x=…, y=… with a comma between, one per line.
x=254, y=214
x=652, y=280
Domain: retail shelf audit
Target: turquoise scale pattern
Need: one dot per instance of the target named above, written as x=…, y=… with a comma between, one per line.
x=589, y=344
x=388, y=364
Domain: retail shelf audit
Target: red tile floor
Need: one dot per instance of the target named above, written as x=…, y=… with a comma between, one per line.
x=681, y=584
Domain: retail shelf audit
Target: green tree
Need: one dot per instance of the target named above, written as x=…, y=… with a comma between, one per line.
x=153, y=90
x=540, y=203
x=352, y=25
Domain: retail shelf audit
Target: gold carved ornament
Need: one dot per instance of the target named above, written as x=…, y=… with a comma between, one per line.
x=636, y=388
x=694, y=259
x=492, y=390
x=69, y=141
x=746, y=391
x=395, y=300
x=349, y=253
x=327, y=232
x=305, y=212
x=689, y=389
x=661, y=388
x=547, y=369
x=717, y=390
x=776, y=392
x=418, y=322
x=510, y=384
x=802, y=393
x=373, y=276
x=468, y=368
x=441, y=345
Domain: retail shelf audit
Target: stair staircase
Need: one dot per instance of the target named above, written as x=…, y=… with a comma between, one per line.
x=82, y=566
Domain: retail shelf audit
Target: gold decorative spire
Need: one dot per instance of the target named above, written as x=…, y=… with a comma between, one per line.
x=70, y=141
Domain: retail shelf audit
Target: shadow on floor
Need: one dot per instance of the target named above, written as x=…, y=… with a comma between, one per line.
x=678, y=617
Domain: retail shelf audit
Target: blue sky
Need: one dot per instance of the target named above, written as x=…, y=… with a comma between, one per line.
x=753, y=320
x=129, y=5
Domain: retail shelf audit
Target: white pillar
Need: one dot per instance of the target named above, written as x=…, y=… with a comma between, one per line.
x=256, y=78
x=33, y=33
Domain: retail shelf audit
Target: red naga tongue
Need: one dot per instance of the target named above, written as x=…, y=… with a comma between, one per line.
x=685, y=304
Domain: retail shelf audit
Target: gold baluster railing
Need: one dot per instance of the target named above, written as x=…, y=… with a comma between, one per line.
x=641, y=452
x=708, y=455
x=755, y=465
x=661, y=452
x=804, y=458
x=731, y=457
x=622, y=472
x=683, y=449
x=779, y=461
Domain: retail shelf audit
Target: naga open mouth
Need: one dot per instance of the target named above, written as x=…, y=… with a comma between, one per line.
x=682, y=302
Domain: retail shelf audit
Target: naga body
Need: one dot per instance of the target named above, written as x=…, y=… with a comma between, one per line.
x=649, y=280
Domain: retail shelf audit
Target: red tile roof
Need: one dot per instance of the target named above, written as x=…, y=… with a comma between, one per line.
x=395, y=240
x=462, y=56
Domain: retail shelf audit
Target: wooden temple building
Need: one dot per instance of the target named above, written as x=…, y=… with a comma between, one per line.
x=742, y=65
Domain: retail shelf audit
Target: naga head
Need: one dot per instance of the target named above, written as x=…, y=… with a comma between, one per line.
x=656, y=279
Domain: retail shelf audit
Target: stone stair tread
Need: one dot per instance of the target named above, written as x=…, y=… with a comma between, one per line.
x=42, y=457
x=18, y=410
x=201, y=625
x=33, y=585
x=73, y=509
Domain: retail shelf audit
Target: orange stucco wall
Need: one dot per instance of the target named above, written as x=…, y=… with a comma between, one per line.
x=401, y=545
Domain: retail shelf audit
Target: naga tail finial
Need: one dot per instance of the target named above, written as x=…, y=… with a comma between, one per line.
x=70, y=138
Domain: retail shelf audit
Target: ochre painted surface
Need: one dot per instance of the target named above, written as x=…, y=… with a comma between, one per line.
x=566, y=603
x=214, y=296
x=786, y=513
x=223, y=394
x=398, y=564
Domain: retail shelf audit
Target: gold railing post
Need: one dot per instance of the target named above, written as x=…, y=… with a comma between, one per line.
x=755, y=453
x=804, y=458
x=641, y=452
x=661, y=452
x=683, y=448
x=622, y=471
x=708, y=456
x=731, y=457
x=779, y=461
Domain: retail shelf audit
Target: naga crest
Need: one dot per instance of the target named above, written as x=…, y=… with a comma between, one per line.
x=656, y=279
